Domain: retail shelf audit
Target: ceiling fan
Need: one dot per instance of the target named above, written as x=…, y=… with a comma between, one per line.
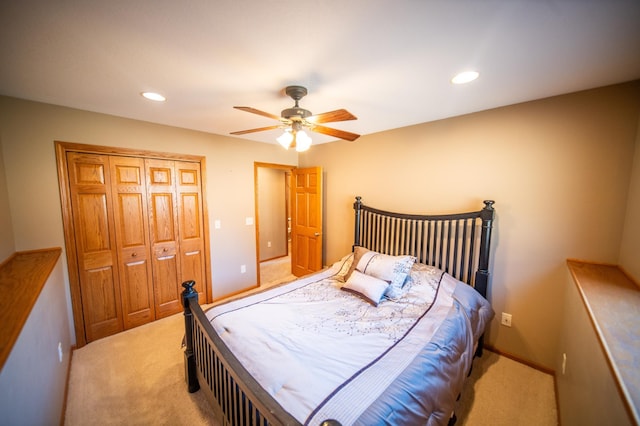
x=295, y=119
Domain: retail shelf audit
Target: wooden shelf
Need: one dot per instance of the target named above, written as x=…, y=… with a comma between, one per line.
x=22, y=277
x=612, y=301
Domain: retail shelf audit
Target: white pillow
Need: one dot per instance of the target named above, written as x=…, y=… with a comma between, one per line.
x=392, y=269
x=369, y=288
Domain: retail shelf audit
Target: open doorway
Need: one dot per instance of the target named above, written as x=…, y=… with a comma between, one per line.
x=273, y=222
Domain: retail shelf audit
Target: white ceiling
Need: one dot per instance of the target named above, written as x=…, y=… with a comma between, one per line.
x=387, y=62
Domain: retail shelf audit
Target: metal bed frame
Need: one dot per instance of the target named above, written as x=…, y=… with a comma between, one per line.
x=459, y=244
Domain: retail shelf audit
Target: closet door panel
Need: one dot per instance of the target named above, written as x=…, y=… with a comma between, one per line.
x=163, y=217
x=101, y=303
x=95, y=240
x=192, y=268
x=190, y=216
x=191, y=222
x=163, y=231
x=166, y=279
x=134, y=259
x=139, y=297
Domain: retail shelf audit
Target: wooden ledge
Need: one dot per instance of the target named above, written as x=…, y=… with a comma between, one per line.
x=22, y=277
x=612, y=300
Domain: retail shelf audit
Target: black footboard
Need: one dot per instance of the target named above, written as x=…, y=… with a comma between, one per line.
x=210, y=366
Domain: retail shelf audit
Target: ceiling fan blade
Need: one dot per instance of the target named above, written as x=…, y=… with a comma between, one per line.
x=257, y=111
x=335, y=132
x=260, y=129
x=332, y=116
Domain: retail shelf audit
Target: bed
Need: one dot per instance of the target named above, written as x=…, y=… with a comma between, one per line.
x=385, y=335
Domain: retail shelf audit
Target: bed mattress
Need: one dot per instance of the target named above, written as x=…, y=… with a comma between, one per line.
x=324, y=353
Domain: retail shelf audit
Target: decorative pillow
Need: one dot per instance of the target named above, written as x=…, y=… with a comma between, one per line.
x=369, y=288
x=357, y=254
x=392, y=269
x=343, y=266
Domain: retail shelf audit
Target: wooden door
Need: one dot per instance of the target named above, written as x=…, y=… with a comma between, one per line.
x=132, y=237
x=306, y=221
x=163, y=232
x=119, y=238
x=95, y=241
x=191, y=225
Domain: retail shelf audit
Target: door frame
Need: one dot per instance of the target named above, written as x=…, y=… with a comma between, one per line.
x=256, y=190
x=61, y=149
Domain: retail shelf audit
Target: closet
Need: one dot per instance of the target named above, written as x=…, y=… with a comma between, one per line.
x=135, y=230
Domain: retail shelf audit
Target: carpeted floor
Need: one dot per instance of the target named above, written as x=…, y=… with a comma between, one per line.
x=134, y=378
x=137, y=378
x=276, y=271
x=504, y=392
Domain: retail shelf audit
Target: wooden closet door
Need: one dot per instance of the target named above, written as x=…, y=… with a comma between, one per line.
x=191, y=222
x=163, y=232
x=94, y=234
x=132, y=237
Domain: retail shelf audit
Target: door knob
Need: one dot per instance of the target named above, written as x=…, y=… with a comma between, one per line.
x=317, y=234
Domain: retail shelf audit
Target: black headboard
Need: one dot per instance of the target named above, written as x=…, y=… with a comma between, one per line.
x=457, y=243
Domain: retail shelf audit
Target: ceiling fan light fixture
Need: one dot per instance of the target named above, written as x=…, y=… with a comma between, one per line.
x=465, y=77
x=285, y=139
x=303, y=141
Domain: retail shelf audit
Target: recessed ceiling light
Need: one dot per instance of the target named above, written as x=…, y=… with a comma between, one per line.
x=465, y=77
x=154, y=96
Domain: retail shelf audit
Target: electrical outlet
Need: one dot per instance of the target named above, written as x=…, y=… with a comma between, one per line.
x=506, y=319
x=268, y=243
x=243, y=269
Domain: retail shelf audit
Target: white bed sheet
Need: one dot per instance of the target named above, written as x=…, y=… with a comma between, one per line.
x=325, y=353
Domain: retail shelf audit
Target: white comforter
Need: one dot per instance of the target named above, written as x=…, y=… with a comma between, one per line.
x=325, y=353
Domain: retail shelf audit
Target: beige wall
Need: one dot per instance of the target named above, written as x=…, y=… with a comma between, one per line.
x=558, y=169
x=630, y=247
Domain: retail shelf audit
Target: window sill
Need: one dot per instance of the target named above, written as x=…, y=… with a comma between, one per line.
x=612, y=300
x=22, y=277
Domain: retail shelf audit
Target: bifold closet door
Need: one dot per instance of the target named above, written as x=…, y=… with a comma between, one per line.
x=132, y=237
x=95, y=239
x=163, y=232
x=135, y=228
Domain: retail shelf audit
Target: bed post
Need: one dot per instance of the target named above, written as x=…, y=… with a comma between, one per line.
x=357, y=206
x=482, y=275
x=189, y=295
